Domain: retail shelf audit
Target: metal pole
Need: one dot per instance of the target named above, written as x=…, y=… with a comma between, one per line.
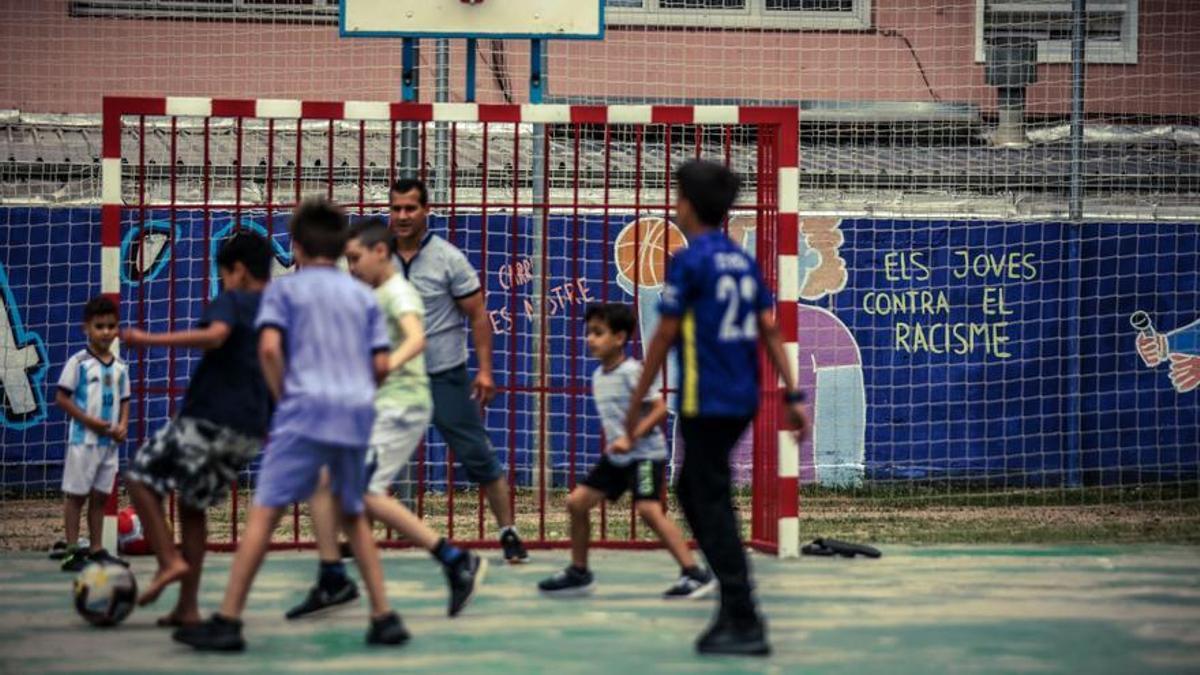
x=472, y=48
x=537, y=63
x=1074, y=248
x=1078, y=56
x=441, y=166
x=410, y=93
x=537, y=67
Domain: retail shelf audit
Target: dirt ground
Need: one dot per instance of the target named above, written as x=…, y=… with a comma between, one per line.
x=32, y=524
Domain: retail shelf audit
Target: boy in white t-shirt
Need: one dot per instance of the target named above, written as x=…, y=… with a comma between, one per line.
x=636, y=464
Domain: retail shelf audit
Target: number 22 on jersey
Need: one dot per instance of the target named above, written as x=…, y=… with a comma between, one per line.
x=737, y=294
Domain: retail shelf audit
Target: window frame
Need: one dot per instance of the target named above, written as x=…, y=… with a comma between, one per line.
x=318, y=11
x=1124, y=51
x=754, y=15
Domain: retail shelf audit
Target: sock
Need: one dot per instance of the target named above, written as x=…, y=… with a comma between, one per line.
x=510, y=528
x=445, y=552
x=579, y=570
x=695, y=572
x=332, y=576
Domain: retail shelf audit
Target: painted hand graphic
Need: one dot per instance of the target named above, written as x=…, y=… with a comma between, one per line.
x=1152, y=349
x=1185, y=372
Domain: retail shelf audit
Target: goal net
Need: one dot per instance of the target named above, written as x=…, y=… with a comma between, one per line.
x=557, y=206
x=968, y=348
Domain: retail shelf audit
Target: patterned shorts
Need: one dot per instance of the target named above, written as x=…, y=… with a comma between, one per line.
x=196, y=458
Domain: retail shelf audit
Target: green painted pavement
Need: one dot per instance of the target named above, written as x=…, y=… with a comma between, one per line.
x=917, y=610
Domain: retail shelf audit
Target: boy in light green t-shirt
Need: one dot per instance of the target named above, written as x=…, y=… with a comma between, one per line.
x=403, y=409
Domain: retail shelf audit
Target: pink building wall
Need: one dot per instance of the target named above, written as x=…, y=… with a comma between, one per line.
x=51, y=62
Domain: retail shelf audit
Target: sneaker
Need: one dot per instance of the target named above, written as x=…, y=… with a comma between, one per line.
x=690, y=587
x=320, y=601
x=59, y=550
x=568, y=583
x=218, y=634
x=514, y=550
x=734, y=638
x=75, y=560
x=387, y=630
x=464, y=577
x=104, y=557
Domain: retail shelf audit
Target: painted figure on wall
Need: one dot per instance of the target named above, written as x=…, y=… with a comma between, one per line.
x=23, y=365
x=1179, y=348
x=828, y=360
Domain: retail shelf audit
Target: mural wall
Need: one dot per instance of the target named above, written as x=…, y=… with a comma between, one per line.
x=1019, y=354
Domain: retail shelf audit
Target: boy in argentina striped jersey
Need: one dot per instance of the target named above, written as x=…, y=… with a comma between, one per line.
x=94, y=392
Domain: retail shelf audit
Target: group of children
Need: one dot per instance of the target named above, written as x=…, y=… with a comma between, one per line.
x=329, y=368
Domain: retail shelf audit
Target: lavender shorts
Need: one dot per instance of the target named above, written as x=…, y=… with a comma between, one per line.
x=291, y=471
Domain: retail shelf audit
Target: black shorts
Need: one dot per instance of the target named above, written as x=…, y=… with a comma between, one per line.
x=643, y=477
x=194, y=457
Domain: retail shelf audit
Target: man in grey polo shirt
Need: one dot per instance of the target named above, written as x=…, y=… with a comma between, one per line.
x=450, y=289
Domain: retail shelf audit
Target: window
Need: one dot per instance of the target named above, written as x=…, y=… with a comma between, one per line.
x=317, y=11
x=774, y=14
x=1111, y=28
x=702, y=4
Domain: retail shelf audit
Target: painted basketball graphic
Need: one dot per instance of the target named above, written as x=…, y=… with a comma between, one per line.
x=639, y=252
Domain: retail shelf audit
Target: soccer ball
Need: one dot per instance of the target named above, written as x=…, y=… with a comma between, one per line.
x=131, y=539
x=105, y=593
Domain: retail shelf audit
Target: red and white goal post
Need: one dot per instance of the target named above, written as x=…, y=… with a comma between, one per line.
x=537, y=195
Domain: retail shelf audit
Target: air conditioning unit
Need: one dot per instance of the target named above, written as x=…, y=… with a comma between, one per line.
x=1111, y=28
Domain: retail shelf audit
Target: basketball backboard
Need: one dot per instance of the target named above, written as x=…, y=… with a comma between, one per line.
x=525, y=19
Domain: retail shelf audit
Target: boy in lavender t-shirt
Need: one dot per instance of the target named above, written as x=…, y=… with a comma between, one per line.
x=323, y=347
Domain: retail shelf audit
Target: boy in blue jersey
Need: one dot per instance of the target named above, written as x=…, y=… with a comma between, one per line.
x=715, y=311
x=94, y=392
x=323, y=348
x=219, y=429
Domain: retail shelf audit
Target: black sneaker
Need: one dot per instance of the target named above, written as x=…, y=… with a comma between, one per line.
x=75, y=560
x=514, y=550
x=387, y=630
x=104, y=557
x=321, y=601
x=692, y=587
x=59, y=550
x=218, y=634
x=734, y=638
x=568, y=583
x=464, y=578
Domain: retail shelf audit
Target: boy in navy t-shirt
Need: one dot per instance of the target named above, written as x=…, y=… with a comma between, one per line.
x=323, y=347
x=218, y=430
x=715, y=311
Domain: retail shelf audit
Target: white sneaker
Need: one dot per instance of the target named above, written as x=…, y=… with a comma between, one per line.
x=691, y=588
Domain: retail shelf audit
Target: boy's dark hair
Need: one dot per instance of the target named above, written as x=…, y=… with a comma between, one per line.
x=407, y=185
x=319, y=228
x=250, y=249
x=711, y=189
x=617, y=316
x=99, y=306
x=373, y=232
